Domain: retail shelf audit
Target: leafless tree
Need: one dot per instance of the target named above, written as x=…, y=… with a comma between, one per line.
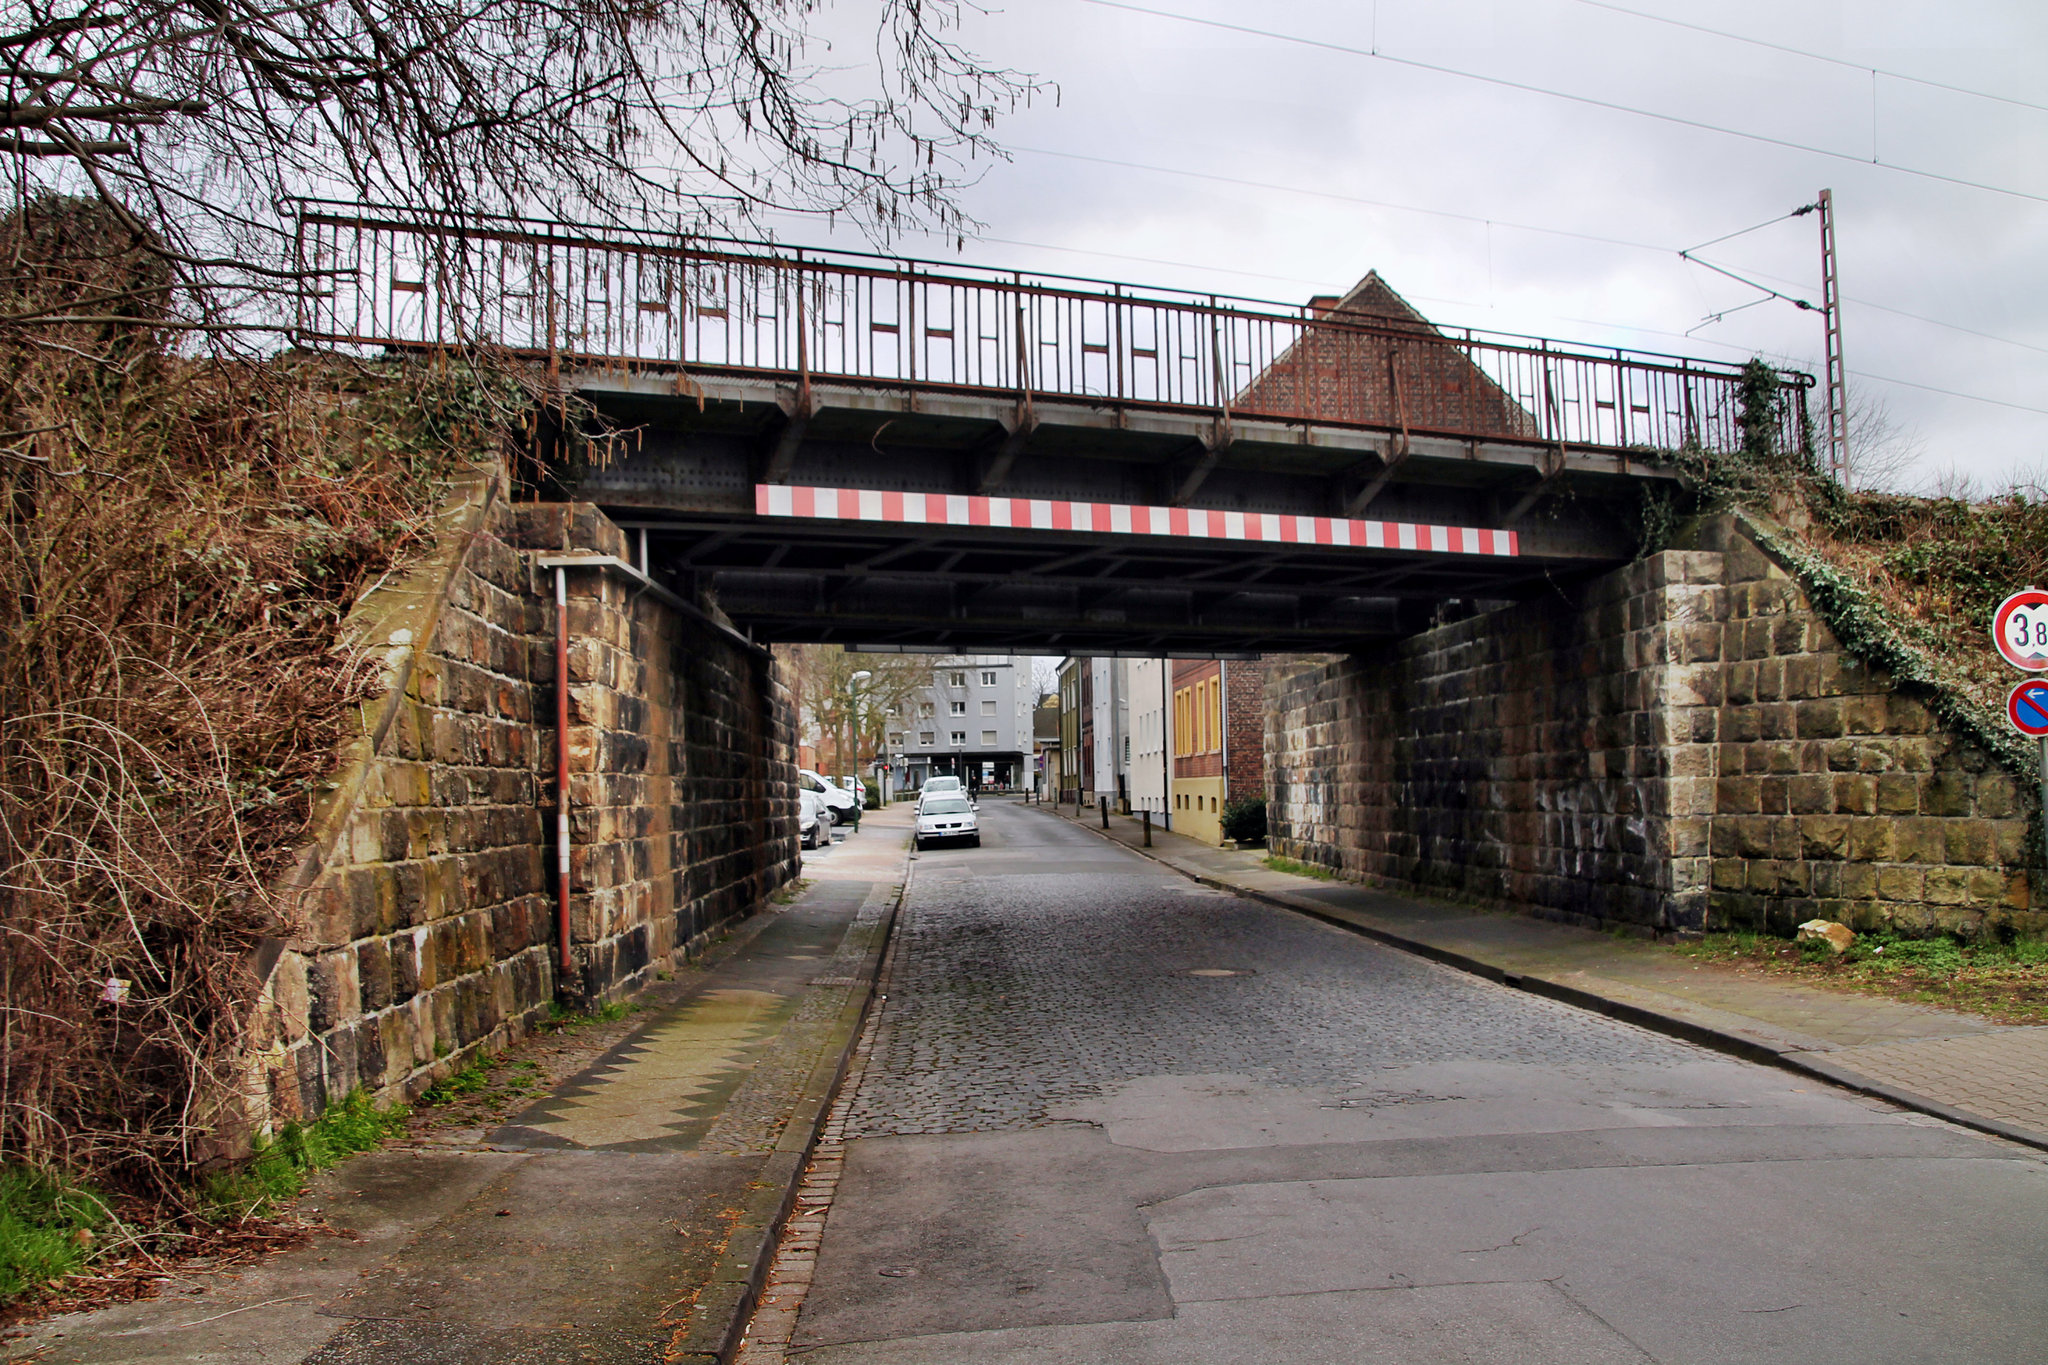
x=850, y=714
x=1884, y=449
x=198, y=121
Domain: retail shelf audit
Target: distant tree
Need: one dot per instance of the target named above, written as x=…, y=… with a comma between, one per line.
x=197, y=121
x=850, y=715
x=1884, y=450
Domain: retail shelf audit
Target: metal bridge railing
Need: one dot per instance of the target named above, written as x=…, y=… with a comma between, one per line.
x=393, y=278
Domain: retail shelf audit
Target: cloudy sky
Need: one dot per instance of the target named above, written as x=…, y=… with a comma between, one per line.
x=1187, y=154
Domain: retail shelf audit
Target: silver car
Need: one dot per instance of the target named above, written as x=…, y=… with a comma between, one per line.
x=947, y=816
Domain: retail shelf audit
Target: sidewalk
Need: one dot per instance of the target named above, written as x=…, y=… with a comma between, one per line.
x=1957, y=1067
x=626, y=1216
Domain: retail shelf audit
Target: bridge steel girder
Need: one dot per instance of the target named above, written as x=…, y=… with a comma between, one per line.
x=690, y=475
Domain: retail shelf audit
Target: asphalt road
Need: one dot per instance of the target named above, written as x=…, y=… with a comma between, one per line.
x=1111, y=1116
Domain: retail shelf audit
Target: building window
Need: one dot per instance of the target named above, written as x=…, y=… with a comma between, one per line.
x=959, y=708
x=988, y=739
x=924, y=710
x=895, y=741
x=988, y=677
x=956, y=679
x=959, y=736
x=988, y=708
x=925, y=738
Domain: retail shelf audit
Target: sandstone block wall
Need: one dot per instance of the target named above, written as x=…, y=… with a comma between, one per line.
x=1682, y=745
x=427, y=898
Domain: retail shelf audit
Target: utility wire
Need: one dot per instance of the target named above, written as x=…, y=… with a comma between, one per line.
x=1609, y=105
x=1815, y=56
x=1801, y=304
x=1335, y=197
x=1800, y=212
x=1952, y=393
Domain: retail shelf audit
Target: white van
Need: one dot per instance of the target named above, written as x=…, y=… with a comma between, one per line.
x=843, y=802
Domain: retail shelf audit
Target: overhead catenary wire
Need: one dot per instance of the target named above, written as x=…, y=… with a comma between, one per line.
x=1789, y=50
x=1612, y=106
x=1661, y=249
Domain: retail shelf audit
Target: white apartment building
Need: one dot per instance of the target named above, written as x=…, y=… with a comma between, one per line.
x=1151, y=709
x=974, y=722
x=1110, y=722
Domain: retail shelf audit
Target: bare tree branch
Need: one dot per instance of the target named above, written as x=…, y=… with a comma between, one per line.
x=200, y=121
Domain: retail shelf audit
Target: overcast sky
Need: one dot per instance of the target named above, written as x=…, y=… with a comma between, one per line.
x=1186, y=155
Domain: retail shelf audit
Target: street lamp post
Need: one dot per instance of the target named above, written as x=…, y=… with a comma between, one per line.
x=853, y=683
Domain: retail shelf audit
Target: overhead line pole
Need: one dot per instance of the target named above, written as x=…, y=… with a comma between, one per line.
x=1831, y=317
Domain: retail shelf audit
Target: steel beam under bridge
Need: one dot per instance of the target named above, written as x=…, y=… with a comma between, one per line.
x=899, y=519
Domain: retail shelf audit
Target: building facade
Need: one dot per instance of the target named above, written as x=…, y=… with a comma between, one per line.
x=974, y=722
x=1045, y=744
x=1217, y=734
x=1072, y=682
x=1110, y=731
x=1151, y=710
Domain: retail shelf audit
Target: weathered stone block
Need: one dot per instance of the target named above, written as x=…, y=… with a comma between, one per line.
x=1898, y=794
x=1897, y=882
x=1824, y=836
x=1820, y=719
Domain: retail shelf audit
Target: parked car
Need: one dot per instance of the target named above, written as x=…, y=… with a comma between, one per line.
x=852, y=783
x=814, y=818
x=944, y=786
x=949, y=815
x=845, y=806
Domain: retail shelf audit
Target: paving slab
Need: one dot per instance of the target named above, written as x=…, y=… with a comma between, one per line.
x=1957, y=1066
x=626, y=1216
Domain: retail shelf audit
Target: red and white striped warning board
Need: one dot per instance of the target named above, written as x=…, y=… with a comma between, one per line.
x=1039, y=514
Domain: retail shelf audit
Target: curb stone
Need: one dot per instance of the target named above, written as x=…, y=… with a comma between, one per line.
x=725, y=1304
x=1803, y=1062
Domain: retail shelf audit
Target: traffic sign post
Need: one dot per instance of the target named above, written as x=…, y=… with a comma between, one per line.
x=2026, y=706
x=2020, y=629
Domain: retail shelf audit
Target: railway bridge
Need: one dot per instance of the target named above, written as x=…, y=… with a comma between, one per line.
x=901, y=454
x=798, y=446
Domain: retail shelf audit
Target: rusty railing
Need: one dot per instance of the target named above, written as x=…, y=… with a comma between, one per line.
x=397, y=279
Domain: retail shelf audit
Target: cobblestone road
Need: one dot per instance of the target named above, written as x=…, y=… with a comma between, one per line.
x=1014, y=997
x=1106, y=1114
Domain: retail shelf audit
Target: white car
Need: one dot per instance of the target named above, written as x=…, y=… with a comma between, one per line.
x=842, y=801
x=856, y=786
x=948, y=815
x=814, y=818
x=944, y=786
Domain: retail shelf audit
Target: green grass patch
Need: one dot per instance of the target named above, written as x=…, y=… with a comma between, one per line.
x=2007, y=982
x=279, y=1168
x=1300, y=869
x=47, y=1228
x=471, y=1078
x=560, y=1020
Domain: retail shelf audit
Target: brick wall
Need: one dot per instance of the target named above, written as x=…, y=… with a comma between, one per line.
x=1244, y=726
x=427, y=895
x=1684, y=745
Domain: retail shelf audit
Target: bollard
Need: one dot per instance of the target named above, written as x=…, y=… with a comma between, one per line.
x=1148, y=827
x=1104, y=801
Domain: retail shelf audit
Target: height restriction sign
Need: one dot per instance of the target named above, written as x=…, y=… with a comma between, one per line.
x=2020, y=630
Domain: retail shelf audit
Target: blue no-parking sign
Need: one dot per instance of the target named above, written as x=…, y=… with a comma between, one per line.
x=2027, y=707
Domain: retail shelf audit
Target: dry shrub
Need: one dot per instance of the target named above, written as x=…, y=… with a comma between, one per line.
x=182, y=539
x=1942, y=565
